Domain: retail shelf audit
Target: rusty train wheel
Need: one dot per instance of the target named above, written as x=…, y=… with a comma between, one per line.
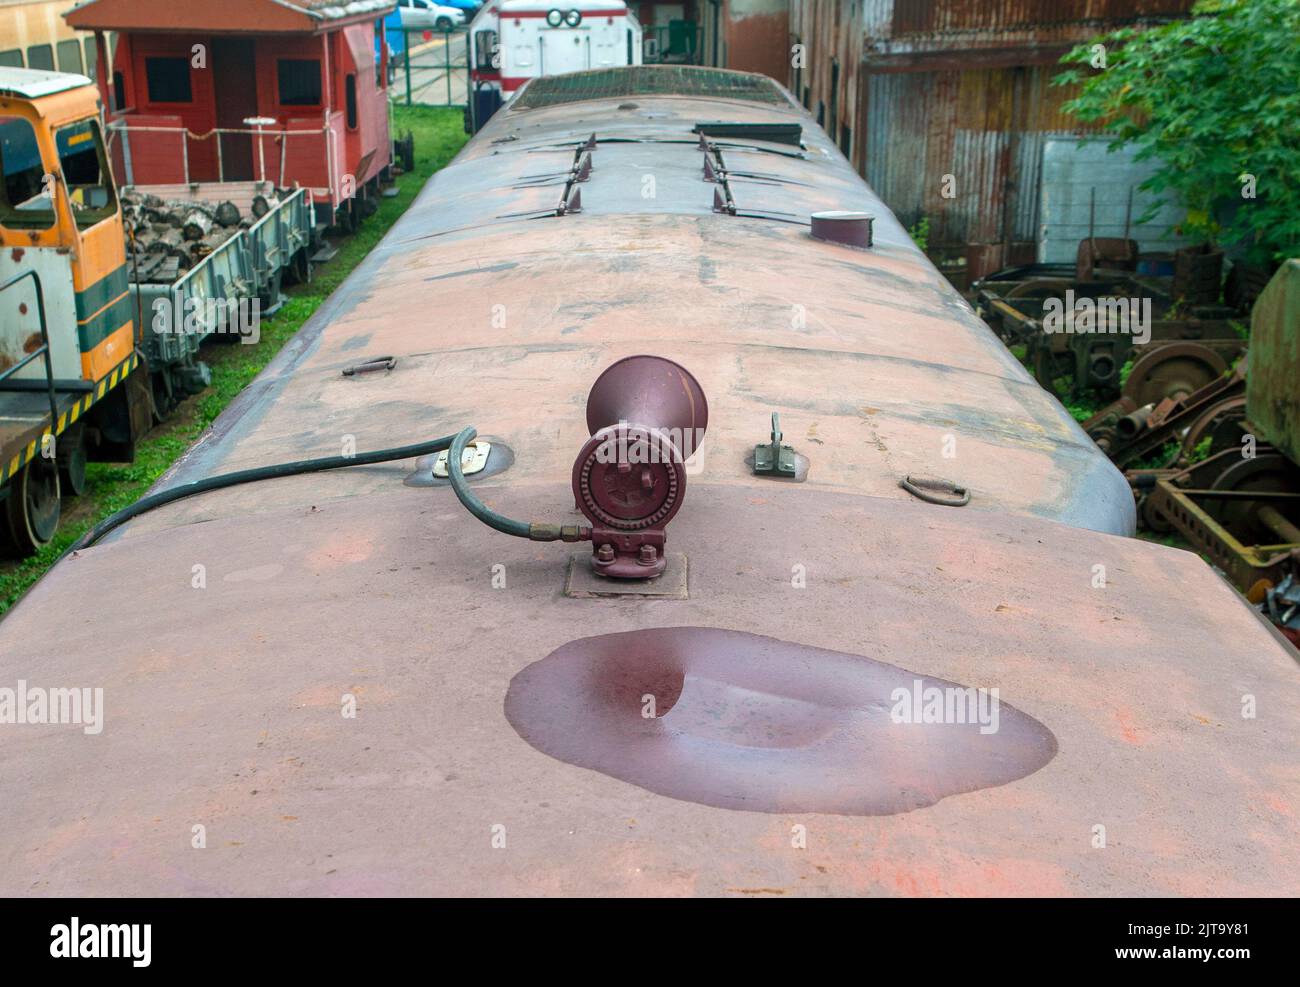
x=1172, y=371
x=1152, y=519
x=1217, y=423
x=1268, y=473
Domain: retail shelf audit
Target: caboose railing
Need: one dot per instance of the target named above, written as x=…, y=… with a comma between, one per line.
x=258, y=134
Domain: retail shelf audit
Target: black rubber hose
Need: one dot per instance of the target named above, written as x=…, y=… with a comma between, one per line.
x=534, y=531
x=455, y=444
x=520, y=529
x=261, y=473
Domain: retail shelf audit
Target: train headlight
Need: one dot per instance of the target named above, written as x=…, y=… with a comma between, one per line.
x=573, y=18
x=555, y=17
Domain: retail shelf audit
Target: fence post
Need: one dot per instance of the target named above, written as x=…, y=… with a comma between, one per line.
x=406, y=58
x=446, y=61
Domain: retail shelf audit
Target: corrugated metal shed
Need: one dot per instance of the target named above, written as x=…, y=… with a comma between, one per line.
x=1085, y=187
x=953, y=88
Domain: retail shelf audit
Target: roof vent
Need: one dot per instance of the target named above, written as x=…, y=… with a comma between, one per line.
x=850, y=229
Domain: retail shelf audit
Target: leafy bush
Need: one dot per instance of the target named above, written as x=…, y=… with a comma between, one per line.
x=1215, y=101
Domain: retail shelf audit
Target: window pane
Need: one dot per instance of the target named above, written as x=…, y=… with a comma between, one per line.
x=168, y=80
x=81, y=156
x=91, y=56
x=299, y=81
x=70, y=56
x=13, y=58
x=24, y=204
x=350, y=99
x=41, y=57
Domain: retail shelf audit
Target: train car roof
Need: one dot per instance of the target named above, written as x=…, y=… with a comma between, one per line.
x=499, y=742
x=34, y=83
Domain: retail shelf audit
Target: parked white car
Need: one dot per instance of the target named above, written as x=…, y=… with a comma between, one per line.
x=423, y=15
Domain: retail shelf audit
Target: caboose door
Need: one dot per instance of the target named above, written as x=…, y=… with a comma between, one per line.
x=235, y=81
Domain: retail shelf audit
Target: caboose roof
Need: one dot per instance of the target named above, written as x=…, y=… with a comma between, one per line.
x=229, y=17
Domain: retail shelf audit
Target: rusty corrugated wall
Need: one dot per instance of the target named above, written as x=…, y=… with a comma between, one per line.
x=961, y=88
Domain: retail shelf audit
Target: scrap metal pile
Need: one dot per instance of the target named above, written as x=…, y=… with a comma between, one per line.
x=1206, y=431
x=1175, y=333
x=169, y=236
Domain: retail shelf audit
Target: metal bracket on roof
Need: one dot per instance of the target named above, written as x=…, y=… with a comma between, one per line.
x=472, y=460
x=723, y=200
x=571, y=202
x=774, y=459
x=370, y=366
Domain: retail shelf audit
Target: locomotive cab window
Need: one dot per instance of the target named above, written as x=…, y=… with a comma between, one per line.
x=299, y=81
x=485, y=43
x=168, y=80
x=85, y=171
x=25, y=202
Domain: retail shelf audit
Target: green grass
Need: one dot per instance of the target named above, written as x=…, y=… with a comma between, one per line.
x=111, y=487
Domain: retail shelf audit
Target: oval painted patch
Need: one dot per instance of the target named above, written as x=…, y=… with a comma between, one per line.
x=742, y=721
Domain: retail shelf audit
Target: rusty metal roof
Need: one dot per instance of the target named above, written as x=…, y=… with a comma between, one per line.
x=233, y=16
x=224, y=695
x=647, y=80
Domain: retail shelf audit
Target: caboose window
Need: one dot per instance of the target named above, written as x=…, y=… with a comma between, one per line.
x=350, y=99
x=299, y=81
x=168, y=80
x=25, y=202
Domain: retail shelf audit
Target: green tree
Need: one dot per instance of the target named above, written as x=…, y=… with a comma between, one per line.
x=1215, y=101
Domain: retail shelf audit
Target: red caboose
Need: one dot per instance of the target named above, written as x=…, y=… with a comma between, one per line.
x=247, y=90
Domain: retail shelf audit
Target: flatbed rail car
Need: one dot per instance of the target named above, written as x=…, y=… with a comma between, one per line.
x=107, y=315
x=71, y=380
x=216, y=294
x=357, y=688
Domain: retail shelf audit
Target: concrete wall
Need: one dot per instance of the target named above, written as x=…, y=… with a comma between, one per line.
x=1071, y=170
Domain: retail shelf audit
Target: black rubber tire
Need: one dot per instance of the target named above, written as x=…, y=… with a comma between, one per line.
x=443, y=24
x=29, y=516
